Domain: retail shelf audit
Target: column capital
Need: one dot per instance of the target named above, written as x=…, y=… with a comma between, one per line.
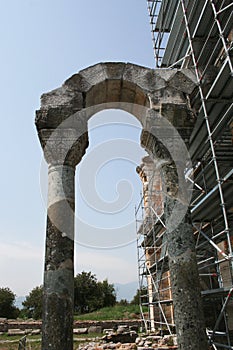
x=63, y=146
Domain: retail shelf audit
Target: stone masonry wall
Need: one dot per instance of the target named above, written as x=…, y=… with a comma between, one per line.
x=6, y=325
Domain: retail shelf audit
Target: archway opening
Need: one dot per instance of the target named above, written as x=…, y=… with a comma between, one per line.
x=107, y=191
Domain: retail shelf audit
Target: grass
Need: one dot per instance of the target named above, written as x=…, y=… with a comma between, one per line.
x=117, y=312
x=35, y=341
x=12, y=342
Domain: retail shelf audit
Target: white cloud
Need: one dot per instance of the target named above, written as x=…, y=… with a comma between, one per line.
x=21, y=267
x=105, y=265
x=20, y=251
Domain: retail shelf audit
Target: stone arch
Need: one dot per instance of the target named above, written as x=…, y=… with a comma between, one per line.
x=61, y=122
x=109, y=83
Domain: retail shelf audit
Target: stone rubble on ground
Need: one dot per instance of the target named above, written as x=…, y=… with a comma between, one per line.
x=122, y=337
x=125, y=339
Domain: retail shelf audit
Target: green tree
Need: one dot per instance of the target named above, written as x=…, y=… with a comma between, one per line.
x=33, y=304
x=7, y=307
x=86, y=293
x=108, y=293
x=123, y=302
x=90, y=294
x=136, y=298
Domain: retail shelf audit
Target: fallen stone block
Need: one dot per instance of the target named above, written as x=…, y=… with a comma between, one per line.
x=12, y=332
x=108, y=331
x=122, y=328
x=80, y=330
x=170, y=339
x=95, y=329
x=127, y=337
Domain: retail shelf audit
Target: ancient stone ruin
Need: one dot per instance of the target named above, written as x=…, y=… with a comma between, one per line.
x=159, y=99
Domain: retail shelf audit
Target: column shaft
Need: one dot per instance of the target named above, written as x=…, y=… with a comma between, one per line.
x=57, y=333
x=188, y=310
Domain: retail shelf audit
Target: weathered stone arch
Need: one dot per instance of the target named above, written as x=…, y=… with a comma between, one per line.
x=151, y=96
x=109, y=83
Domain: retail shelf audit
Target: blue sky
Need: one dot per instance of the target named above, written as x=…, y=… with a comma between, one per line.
x=42, y=44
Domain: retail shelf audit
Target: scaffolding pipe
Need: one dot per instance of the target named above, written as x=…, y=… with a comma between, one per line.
x=212, y=243
x=224, y=8
x=222, y=204
x=221, y=313
x=221, y=35
x=160, y=307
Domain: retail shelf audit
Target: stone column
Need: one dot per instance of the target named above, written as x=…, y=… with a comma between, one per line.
x=186, y=294
x=59, y=266
x=166, y=147
x=63, y=149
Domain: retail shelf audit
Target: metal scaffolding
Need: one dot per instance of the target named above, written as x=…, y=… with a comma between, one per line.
x=154, y=277
x=197, y=34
